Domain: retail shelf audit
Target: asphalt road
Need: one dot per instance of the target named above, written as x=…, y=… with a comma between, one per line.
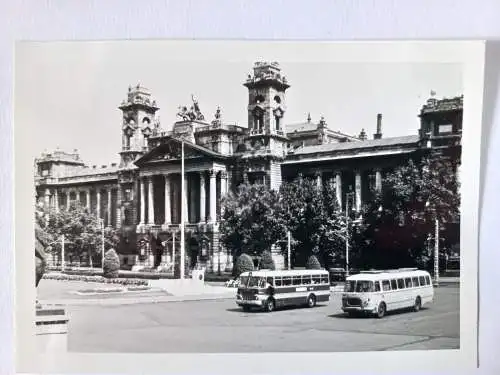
x=220, y=326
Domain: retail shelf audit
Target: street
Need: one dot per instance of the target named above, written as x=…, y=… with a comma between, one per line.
x=220, y=326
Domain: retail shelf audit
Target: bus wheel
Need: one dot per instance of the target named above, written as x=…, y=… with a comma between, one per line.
x=418, y=304
x=270, y=305
x=311, y=300
x=381, y=310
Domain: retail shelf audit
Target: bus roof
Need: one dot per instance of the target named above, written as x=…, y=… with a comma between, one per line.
x=270, y=273
x=387, y=274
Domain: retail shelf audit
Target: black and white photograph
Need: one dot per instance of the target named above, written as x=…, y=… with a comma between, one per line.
x=194, y=198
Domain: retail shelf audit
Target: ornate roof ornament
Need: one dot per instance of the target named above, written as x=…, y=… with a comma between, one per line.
x=191, y=114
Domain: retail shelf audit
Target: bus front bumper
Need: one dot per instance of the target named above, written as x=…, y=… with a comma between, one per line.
x=249, y=302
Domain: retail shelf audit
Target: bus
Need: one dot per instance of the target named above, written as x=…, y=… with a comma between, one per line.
x=269, y=290
x=376, y=292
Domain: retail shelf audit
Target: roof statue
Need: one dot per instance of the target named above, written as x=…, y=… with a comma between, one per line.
x=191, y=114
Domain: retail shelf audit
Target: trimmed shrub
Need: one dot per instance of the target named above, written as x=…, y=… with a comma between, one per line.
x=266, y=261
x=313, y=263
x=93, y=279
x=244, y=263
x=111, y=264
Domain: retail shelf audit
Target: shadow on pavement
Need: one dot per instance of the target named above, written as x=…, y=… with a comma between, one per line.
x=360, y=315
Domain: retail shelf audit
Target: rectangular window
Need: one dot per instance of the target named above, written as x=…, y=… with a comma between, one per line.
x=445, y=128
x=270, y=280
x=306, y=279
x=401, y=284
x=415, y=281
x=324, y=279
x=377, y=286
x=408, y=282
x=316, y=279
x=287, y=280
x=394, y=285
x=386, y=285
x=278, y=281
x=296, y=280
x=427, y=280
x=422, y=280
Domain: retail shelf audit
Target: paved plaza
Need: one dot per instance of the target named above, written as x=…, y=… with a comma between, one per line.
x=161, y=325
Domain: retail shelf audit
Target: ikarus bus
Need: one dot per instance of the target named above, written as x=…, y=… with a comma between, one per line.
x=272, y=289
x=376, y=292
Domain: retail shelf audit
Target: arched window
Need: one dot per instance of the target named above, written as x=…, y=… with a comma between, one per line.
x=258, y=120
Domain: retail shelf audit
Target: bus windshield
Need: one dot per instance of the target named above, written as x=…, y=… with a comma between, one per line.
x=359, y=286
x=256, y=282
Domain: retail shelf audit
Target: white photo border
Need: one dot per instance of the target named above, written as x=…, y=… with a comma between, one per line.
x=471, y=54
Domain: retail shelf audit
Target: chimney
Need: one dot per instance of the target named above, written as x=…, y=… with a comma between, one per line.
x=378, y=134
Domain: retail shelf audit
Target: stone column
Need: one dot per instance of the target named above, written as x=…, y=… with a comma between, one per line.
x=378, y=180
x=192, y=201
x=168, y=218
x=47, y=198
x=213, y=199
x=109, y=207
x=67, y=199
x=88, y=200
x=151, y=210
x=358, y=190
x=78, y=196
x=338, y=188
x=319, y=180
x=185, y=206
x=98, y=208
x=203, y=203
x=56, y=200
x=223, y=189
x=143, y=203
x=118, y=208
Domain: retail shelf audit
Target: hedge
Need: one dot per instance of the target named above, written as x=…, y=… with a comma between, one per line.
x=94, y=279
x=111, y=264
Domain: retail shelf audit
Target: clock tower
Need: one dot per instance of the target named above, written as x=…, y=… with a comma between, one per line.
x=267, y=141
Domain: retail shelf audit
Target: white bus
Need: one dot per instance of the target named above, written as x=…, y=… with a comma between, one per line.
x=376, y=292
x=271, y=289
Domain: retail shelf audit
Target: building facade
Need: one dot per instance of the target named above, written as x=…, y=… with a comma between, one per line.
x=141, y=195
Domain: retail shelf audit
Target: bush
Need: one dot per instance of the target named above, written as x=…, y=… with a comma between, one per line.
x=93, y=279
x=313, y=263
x=244, y=263
x=111, y=264
x=266, y=261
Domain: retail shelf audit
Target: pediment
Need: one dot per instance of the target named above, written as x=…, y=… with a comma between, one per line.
x=171, y=150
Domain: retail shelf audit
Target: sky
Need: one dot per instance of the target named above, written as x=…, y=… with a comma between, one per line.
x=67, y=93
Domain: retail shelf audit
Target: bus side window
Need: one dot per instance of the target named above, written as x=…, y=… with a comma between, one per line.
x=422, y=280
x=401, y=284
x=278, y=281
x=408, y=282
x=394, y=284
x=270, y=281
x=306, y=279
x=386, y=285
x=287, y=280
x=316, y=279
x=377, y=286
x=427, y=280
x=324, y=279
x=415, y=281
x=296, y=280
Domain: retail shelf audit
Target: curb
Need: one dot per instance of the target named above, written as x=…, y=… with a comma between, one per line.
x=132, y=301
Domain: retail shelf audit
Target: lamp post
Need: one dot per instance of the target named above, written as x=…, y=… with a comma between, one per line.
x=101, y=222
x=347, y=197
x=436, y=243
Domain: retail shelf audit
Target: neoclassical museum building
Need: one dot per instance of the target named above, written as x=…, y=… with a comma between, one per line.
x=141, y=195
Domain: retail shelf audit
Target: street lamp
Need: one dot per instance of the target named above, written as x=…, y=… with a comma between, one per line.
x=347, y=197
x=436, y=242
x=101, y=222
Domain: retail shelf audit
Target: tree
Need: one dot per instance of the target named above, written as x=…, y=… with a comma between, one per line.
x=313, y=263
x=111, y=264
x=250, y=223
x=81, y=230
x=314, y=220
x=397, y=223
x=266, y=261
x=244, y=263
